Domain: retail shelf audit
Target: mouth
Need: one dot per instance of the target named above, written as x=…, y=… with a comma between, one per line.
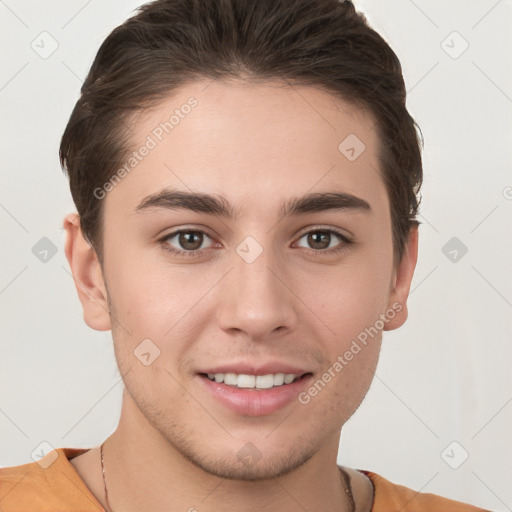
x=255, y=395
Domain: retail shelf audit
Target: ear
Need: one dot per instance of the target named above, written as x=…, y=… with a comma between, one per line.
x=402, y=281
x=87, y=275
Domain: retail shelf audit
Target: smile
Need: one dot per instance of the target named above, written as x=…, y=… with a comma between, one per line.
x=255, y=395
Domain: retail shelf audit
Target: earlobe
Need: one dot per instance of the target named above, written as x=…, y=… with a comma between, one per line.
x=87, y=275
x=402, y=281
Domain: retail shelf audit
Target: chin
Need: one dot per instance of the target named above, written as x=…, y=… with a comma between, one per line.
x=247, y=463
x=266, y=468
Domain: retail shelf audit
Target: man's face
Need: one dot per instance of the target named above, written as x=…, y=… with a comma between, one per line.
x=258, y=293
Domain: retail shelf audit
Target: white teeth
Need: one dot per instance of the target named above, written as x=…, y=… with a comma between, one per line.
x=288, y=378
x=245, y=381
x=264, y=381
x=252, y=381
x=230, y=379
x=278, y=379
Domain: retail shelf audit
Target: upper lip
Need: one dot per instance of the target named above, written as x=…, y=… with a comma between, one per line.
x=252, y=368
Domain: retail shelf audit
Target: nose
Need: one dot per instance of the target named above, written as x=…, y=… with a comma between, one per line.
x=256, y=297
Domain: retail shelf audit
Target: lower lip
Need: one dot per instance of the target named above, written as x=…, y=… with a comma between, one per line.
x=255, y=402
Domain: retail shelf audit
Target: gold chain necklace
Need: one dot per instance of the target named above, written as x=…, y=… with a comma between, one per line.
x=345, y=477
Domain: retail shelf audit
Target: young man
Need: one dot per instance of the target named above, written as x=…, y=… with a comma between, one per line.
x=246, y=178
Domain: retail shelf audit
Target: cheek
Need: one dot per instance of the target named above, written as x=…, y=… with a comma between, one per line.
x=142, y=319
x=151, y=296
x=161, y=311
x=350, y=305
x=351, y=298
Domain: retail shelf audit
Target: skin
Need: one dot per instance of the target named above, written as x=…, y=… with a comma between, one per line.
x=257, y=145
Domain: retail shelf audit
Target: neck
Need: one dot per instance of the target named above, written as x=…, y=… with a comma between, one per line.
x=144, y=471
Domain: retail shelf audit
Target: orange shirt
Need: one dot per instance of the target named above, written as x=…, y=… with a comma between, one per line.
x=53, y=485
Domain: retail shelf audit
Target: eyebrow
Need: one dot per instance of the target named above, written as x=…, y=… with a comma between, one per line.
x=218, y=205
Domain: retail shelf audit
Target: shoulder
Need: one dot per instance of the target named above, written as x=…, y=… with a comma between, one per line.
x=389, y=497
x=50, y=484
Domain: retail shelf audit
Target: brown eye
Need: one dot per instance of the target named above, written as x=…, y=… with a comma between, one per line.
x=319, y=239
x=324, y=241
x=187, y=242
x=190, y=240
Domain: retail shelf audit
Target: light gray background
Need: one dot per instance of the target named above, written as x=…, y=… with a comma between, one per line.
x=443, y=377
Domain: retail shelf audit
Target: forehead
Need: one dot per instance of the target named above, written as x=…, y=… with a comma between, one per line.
x=240, y=140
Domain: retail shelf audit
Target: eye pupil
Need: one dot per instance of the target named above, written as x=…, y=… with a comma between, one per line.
x=315, y=238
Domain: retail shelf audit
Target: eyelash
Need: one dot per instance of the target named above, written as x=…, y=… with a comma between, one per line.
x=197, y=253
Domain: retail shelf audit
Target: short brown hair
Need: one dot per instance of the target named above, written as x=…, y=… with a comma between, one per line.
x=168, y=43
